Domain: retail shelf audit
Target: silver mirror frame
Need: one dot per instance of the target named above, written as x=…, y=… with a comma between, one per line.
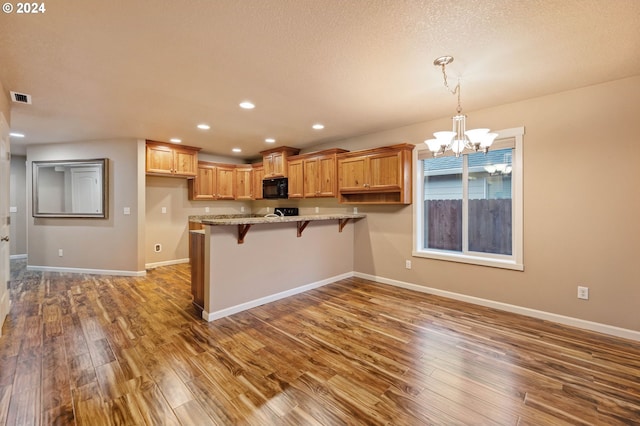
x=37, y=186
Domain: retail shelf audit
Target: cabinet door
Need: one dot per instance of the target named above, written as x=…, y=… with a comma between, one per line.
x=327, y=182
x=204, y=185
x=385, y=171
x=274, y=165
x=185, y=162
x=258, y=176
x=225, y=183
x=352, y=174
x=310, y=177
x=159, y=159
x=296, y=179
x=267, y=165
x=244, y=183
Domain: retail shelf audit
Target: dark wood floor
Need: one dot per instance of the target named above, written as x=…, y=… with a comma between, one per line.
x=94, y=350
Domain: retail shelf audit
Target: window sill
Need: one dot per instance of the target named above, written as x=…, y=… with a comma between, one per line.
x=474, y=260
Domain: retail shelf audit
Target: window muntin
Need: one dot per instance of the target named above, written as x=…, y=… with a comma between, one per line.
x=469, y=209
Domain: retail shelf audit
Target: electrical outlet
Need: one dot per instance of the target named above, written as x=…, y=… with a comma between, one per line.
x=355, y=210
x=241, y=209
x=60, y=253
x=157, y=248
x=317, y=209
x=164, y=210
x=207, y=210
x=407, y=264
x=583, y=293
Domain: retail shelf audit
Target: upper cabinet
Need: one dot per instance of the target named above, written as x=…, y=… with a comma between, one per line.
x=376, y=176
x=213, y=182
x=314, y=174
x=171, y=160
x=275, y=161
x=244, y=182
x=296, y=178
x=258, y=175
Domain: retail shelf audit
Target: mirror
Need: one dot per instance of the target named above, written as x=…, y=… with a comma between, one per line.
x=73, y=188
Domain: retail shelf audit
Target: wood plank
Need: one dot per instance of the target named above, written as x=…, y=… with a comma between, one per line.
x=96, y=349
x=191, y=413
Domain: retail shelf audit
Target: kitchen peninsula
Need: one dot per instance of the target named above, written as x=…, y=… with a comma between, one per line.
x=249, y=261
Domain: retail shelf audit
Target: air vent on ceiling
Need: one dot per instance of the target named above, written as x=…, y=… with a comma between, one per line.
x=21, y=98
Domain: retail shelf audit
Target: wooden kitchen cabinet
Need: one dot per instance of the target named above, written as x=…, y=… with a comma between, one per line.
x=203, y=187
x=275, y=161
x=314, y=174
x=171, y=160
x=244, y=182
x=296, y=178
x=258, y=176
x=226, y=185
x=213, y=181
x=321, y=174
x=376, y=176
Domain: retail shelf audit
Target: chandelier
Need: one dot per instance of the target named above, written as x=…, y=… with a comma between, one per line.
x=459, y=138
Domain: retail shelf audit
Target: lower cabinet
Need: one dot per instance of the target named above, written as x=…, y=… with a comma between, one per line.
x=196, y=257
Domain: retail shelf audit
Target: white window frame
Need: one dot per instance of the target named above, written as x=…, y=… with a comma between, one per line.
x=516, y=260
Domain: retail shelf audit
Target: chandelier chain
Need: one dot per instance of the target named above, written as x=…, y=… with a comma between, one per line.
x=455, y=91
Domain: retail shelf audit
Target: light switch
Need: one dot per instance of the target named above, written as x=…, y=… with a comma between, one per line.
x=127, y=210
x=164, y=210
x=13, y=209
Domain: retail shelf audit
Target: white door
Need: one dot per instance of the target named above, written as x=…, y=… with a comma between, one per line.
x=86, y=192
x=5, y=167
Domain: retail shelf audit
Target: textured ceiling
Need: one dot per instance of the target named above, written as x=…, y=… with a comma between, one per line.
x=154, y=69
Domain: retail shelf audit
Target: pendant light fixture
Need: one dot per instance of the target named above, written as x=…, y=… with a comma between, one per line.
x=459, y=138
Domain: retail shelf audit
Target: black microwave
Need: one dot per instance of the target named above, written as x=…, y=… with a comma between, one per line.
x=275, y=188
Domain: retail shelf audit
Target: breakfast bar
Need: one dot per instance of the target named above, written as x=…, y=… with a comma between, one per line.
x=249, y=261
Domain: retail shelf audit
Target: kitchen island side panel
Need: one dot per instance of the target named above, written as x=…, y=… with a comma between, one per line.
x=273, y=260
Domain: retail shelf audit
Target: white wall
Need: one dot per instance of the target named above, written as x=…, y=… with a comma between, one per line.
x=581, y=209
x=109, y=245
x=18, y=199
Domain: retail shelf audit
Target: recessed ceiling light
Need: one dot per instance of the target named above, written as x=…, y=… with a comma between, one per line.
x=247, y=105
x=175, y=140
x=236, y=150
x=318, y=126
x=16, y=135
x=204, y=126
x=270, y=140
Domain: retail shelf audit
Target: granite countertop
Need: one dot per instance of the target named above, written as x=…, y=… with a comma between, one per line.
x=254, y=219
x=200, y=218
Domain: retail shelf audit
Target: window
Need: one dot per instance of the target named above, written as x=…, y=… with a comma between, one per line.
x=469, y=208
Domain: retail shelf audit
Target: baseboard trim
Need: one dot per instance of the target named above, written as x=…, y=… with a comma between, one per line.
x=17, y=256
x=87, y=271
x=561, y=319
x=166, y=263
x=212, y=316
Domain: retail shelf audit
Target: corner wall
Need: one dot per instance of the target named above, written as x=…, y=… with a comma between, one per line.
x=581, y=209
x=95, y=245
x=18, y=201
